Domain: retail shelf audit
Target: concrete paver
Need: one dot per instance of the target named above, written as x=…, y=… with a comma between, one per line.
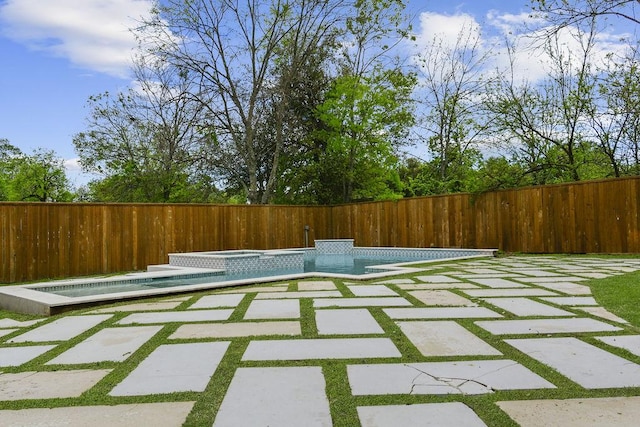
x=273, y=309
x=316, y=285
x=16, y=356
x=371, y=291
x=176, y=316
x=131, y=415
x=441, y=313
x=499, y=283
x=527, y=307
x=325, y=348
x=218, y=301
x=48, y=385
x=448, y=414
x=108, y=345
x=441, y=297
x=545, y=326
x=283, y=397
x=346, y=321
x=445, y=338
x=571, y=301
x=142, y=306
x=61, y=329
x=173, y=368
x=583, y=363
x=630, y=343
x=239, y=329
x=502, y=292
x=361, y=302
x=594, y=412
x=465, y=377
x=602, y=313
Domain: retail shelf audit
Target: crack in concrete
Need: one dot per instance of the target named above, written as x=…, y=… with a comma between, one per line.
x=450, y=381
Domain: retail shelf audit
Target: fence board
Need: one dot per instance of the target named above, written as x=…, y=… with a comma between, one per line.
x=40, y=241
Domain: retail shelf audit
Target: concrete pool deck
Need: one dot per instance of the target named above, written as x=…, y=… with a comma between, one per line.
x=388, y=352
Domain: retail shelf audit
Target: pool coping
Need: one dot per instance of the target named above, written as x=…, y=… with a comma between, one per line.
x=28, y=300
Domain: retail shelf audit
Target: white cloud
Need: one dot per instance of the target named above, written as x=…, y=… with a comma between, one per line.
x=72, y=165
x=522, y=30
x=92, y=34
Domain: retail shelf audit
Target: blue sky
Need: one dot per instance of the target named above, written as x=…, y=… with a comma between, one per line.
x=56, y=53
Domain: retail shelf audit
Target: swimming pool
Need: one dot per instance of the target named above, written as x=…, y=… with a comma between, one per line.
x=196, y=271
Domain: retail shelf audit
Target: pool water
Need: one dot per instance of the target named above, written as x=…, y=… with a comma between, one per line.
x=341, y=264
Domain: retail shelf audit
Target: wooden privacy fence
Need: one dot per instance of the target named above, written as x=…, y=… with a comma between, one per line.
x=42, y=240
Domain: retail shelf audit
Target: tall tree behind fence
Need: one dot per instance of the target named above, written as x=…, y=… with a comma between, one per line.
x=42, y=240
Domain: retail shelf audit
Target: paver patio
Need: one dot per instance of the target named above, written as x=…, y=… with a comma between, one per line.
x=333, y=353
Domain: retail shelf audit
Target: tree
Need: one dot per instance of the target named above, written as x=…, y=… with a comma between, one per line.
x=616, y=118
x=364, y=116
x=148, y=143
x=231, y=48
x=39, y=177
x=545, y=125
x=454, y=83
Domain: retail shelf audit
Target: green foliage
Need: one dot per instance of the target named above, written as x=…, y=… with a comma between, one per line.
x=40, y=177
x=364, y=118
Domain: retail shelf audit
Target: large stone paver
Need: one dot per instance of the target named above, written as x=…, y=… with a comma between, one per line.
x=325, y=348
x=109, y=344
x=361, y=302
x=299, y=294
x=631, y=343
x=594, y=412
x=438, y=278
x=316, y=285
x=372, y=291
x=176, y=316
x=583, y=363
x=441, y=313
x=174, y=368
x=346, y=321
x=445, y=338
x=142, y=306
x=218, y=301
x=448, y=414
x=283, y=397
x=62, y=329
x=48, y=385
x=499, y=283
x=429, y=286
x=527, y=307
x=545, y=326
x=504, y=292
x=239, y=329
x=571, y=301
x=16, y=356
x=602, y=313
x=568, y=288
x=273, y=309
x=464, y=377
x=441, y=297
x=163, y=414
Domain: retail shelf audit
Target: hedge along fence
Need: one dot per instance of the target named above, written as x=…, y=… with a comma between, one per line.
x=43, y=240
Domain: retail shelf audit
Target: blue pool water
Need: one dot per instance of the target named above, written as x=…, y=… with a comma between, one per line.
x=342, y=264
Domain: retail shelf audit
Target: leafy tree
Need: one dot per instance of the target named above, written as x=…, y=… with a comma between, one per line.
x=40, y=177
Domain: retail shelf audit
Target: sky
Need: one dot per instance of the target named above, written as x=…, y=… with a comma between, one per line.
x=56, y=53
